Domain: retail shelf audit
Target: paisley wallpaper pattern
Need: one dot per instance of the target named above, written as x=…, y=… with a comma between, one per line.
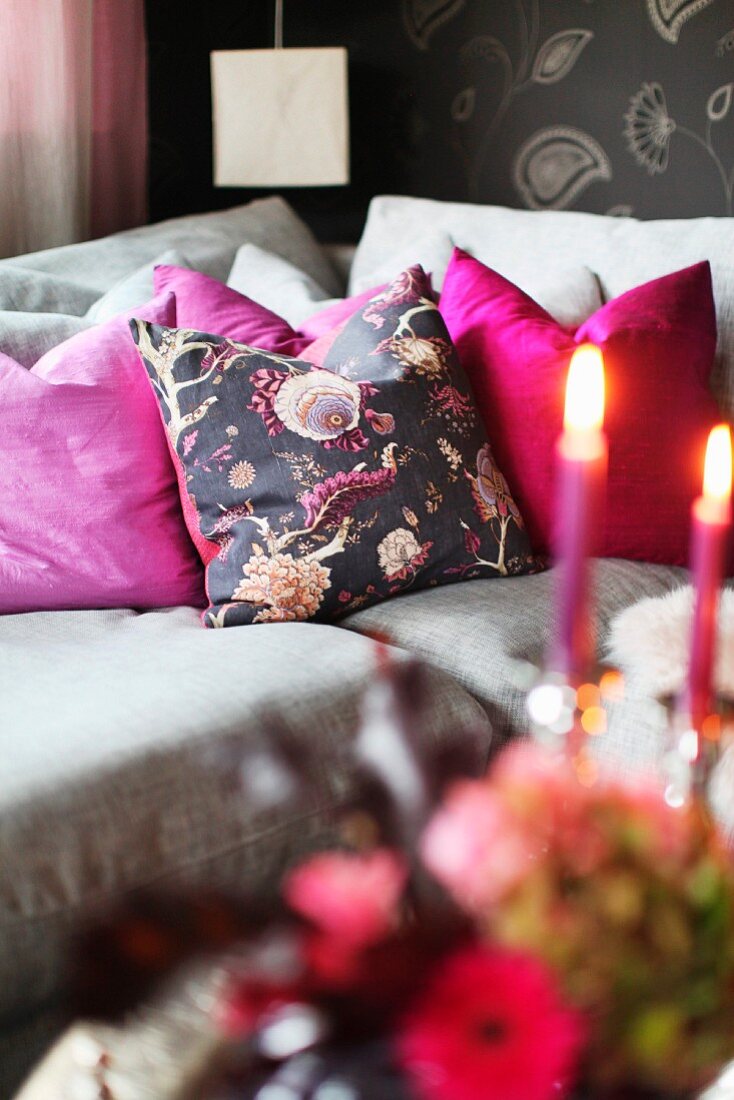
x=617, y=106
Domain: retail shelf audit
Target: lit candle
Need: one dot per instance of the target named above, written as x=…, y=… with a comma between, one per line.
x=582, y=464
x=711, y=520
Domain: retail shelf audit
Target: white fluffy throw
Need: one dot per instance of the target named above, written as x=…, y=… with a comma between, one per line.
x=649, y=642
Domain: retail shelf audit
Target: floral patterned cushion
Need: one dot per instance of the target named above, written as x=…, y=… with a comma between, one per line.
x=312, y=491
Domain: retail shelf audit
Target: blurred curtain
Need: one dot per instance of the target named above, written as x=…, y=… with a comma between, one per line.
x=72, y=120
x=119, y=166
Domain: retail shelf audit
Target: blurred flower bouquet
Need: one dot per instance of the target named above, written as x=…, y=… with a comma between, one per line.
x=522, y=936
x=514, y=938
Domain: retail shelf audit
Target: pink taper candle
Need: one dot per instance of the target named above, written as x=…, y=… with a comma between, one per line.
x=582, y=464
x=711, y=520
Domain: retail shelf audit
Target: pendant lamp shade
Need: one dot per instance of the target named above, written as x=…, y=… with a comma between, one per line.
x=280, y=117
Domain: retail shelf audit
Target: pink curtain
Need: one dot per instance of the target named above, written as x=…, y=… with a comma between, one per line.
x=118, y=185
x=73, y=133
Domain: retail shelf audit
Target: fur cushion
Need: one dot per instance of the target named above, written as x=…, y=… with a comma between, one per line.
x=650, y=641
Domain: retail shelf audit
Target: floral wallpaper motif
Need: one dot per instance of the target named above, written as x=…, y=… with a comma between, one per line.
x=614, y=106
x=649, y=130
x=555, y=165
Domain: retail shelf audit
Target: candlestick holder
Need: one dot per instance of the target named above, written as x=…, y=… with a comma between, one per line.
x=565, y=715
x=693, y=751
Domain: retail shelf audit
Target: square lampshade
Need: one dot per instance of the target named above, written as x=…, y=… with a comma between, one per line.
x=280, y=117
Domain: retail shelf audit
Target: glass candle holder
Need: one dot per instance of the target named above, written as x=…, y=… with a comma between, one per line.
x=564, y=715
x=697, y=757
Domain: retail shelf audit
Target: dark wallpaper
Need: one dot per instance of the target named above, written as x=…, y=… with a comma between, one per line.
x=620, y=106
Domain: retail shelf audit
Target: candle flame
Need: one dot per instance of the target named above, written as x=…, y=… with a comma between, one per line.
x=585, y=390
x=717, y=469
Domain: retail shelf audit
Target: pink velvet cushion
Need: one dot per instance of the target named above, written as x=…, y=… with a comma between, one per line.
x=89, y=509
x=658, y=342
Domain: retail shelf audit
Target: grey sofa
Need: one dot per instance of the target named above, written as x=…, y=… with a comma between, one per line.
x=107, y=717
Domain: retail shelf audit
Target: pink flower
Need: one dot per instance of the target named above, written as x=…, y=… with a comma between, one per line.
x=493, y=488
x=383, y=423
x=472, y=542
x=473, y=846
x=490, y=1026
x=352, y=897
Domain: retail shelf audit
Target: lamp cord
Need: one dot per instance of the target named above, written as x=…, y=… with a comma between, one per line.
x=279, y=24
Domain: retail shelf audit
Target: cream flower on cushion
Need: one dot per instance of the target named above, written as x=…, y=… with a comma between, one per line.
x=426, y=354
x=318, y=404
x=398, y=552
x=241, y=475
x=288, y=588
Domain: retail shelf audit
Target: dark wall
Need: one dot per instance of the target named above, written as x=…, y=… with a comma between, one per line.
x=601, y=105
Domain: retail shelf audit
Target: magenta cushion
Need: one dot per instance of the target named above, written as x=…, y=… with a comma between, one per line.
x=658, y=342
x=206, y=304
x=89, y=508
x=335, y=316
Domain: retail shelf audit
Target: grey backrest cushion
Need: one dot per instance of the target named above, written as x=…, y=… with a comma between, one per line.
x=25, y=337
x=276, y=284
x=524, y=244
x=47, y=297
x=209, y=242
x=431, y=249
x=31, y=291
x=134, y=290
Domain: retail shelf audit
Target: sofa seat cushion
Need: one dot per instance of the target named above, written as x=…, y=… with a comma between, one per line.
x=479, y=631
x=111, y=724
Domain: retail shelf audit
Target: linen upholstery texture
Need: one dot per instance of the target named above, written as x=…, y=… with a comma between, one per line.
x=479, y=631
x=623, y=252
x=110, y=728
x=32, y=291
x=27, y=337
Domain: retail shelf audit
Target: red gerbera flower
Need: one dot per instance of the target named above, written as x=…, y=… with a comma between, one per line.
x=490, y=1025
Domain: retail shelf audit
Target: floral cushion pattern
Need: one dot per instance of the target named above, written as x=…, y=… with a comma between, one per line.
x=313, y=491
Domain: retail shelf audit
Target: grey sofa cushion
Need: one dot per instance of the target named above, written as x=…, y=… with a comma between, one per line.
x=32, y=291
x=623, y=252
x=134, y=290
x=276, y=284
x=431, y=249
x=478, y=630
x=107, y=724
x=207, y=239
x=25, y=337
